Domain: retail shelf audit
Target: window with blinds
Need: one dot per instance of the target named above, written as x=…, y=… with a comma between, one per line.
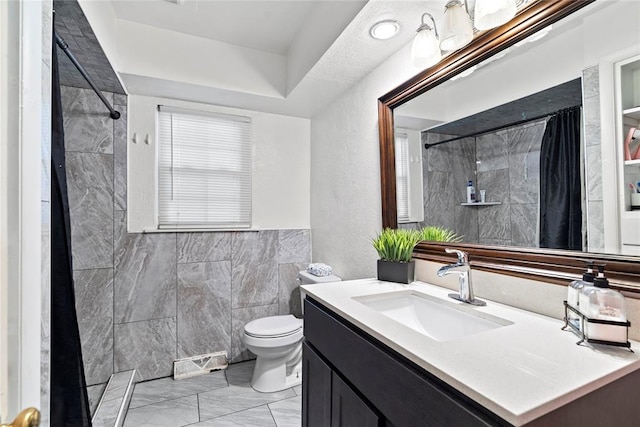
x=402, y=176
x=204, y=170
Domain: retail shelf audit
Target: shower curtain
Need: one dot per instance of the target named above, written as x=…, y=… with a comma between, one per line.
x=69, y=400
x=560, y=182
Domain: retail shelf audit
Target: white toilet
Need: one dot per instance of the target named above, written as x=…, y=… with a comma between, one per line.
x=277, y=343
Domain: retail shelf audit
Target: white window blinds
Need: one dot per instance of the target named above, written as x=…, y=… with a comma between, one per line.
x=204, y=170
x=402, y=176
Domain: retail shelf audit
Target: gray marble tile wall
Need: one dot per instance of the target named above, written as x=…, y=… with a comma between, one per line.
x=144, y=300
x=593, y=156
x=505, y=164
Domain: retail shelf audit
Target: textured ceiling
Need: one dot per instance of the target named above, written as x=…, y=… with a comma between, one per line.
x=268, y=26
x=73, y=27
x=539, y=104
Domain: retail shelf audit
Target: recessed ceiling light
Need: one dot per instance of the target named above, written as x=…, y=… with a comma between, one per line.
x=383, y=30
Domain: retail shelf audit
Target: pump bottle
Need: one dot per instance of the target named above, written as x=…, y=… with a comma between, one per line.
x=573, y=294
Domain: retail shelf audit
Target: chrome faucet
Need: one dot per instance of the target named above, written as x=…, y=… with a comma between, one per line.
x=463, y=269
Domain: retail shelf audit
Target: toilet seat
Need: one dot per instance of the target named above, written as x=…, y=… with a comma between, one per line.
x=273, y=326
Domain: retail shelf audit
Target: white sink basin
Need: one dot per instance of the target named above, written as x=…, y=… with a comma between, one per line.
x=438, y=319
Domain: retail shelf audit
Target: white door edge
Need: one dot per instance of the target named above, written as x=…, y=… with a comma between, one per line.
x=21, y=109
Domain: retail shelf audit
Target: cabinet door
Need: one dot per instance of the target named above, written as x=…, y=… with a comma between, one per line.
x=316, y=389
x=348, y=409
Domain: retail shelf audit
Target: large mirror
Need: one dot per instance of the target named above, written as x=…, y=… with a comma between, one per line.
x=481, y=115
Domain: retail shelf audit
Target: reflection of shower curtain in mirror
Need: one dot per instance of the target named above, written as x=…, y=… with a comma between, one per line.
x=560, y=182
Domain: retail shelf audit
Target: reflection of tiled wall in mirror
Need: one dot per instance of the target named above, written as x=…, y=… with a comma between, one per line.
x=593, y=154
x=504, y=163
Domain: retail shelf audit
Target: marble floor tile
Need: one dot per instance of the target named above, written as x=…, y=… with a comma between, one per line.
x=255, y=417
x=156, y=391
x=233, y=399
x=239, y=374
x=288, y=412
x=170, y=413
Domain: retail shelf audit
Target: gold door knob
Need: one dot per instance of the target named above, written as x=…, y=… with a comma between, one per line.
x=30, y=417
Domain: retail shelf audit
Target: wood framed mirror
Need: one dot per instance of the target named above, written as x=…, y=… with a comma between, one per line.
x=552, y=266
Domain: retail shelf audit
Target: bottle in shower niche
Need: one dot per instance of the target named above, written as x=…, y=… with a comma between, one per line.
x=471, y=192
x=573, y=294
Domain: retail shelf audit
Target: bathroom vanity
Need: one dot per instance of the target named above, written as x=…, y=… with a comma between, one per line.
x=378, y=353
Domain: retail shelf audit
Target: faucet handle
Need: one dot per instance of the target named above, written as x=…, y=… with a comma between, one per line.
x=463, y=257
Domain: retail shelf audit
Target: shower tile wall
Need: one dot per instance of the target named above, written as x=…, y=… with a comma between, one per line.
x=505, y=164
x=144, y=300
x=593, y=155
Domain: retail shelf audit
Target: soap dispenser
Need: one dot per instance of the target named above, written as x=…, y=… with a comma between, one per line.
x=573, y=294
x=604, y=303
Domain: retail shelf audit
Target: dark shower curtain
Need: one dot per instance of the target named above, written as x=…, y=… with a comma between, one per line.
x=69, y=401
x=560, y=182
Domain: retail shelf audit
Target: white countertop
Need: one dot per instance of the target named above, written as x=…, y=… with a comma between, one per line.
x=520, y=371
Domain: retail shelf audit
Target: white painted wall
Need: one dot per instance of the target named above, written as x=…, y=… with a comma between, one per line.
x=280, y=176
x=345, y=172
x=345, y=177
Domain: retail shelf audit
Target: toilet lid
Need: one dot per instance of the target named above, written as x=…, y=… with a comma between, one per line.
x=273, y=326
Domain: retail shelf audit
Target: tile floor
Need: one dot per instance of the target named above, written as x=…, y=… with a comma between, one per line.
x=218, y=399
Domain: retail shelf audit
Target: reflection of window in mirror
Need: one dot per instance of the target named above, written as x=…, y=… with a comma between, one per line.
x=408, y=175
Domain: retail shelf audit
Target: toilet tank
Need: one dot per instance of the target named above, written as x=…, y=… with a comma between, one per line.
x=306, y=278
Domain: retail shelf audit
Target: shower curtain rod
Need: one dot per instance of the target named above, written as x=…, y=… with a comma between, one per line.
x=115, y=115
x=531, y=119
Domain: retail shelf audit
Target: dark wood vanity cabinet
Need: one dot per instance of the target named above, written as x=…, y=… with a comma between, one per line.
x=329, y=400
x=351, y=380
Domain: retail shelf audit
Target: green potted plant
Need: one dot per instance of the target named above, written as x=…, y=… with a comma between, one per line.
x=395, y=247
x=437, y=234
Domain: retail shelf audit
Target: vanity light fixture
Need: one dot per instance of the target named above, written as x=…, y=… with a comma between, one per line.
x=493, y=13
x=384, y=30
x=425, y=50
x=457, y=29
